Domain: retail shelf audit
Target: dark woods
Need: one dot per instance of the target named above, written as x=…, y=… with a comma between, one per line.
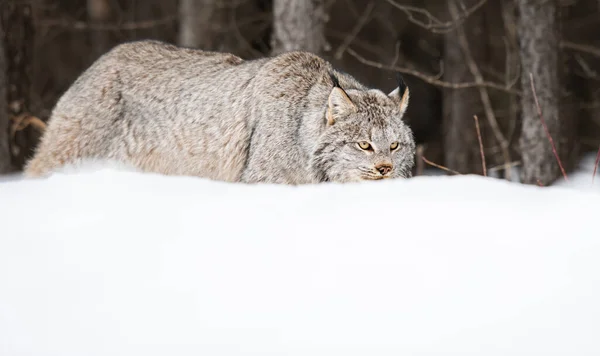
x=460, y=58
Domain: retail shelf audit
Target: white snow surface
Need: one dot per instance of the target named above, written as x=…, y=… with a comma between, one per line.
x=107, y=261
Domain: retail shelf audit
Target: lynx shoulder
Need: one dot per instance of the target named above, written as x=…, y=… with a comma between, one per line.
x=290, y=119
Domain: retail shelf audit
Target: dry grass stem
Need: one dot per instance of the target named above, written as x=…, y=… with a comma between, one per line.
x=480, y=145
x=596, y=165
x=539, y=183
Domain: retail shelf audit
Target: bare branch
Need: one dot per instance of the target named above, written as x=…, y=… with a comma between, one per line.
x=433, y=80
x=594, y=51
x=431, y=22
x=125, y=26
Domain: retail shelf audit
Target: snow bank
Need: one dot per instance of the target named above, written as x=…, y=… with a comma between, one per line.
x=110, y=262
x=582, y=178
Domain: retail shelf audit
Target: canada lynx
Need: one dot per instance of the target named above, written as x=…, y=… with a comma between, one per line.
x=287, y=119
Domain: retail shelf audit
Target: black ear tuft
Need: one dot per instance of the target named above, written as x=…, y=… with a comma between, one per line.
x=401, y=84
x=335, y=80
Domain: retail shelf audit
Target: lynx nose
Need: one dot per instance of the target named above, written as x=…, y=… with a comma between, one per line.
x=384, y=168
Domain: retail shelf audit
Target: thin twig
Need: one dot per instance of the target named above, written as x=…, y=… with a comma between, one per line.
x=480, y=146
x=396, y=54
x=362, y=21
x=503, y=166
x=125, y=26
x=439, y=166
x=583, y=48
x=596, y=165
x=363, y=45
x=539, y=110
x=434, y=24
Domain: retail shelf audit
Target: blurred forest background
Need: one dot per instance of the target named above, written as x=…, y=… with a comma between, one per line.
x=460, y=58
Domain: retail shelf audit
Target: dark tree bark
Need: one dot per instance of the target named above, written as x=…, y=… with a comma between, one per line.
x=5, y=164
x=205, y=24
x=580, y=74
x=299, y=25
x=99, y=13
x=17, y=22
x=539, y=50
x=461, y=148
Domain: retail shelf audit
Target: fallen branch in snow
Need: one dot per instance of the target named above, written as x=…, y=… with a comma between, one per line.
x=440, y=166
x=539, y=110
x=596, y=165
x=480, y=146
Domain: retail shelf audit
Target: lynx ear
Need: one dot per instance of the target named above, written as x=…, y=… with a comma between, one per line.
x=401, y=95
x=339, y=103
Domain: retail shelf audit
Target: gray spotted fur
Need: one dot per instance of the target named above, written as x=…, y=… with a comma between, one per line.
x=182, y=111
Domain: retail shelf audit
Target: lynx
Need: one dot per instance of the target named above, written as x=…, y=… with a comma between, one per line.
x=290, y=119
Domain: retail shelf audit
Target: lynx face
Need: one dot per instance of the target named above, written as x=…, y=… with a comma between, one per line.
x=365, y=137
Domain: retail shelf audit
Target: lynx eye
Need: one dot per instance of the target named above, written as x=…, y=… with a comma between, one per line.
x=364, y=145
x=394, y=145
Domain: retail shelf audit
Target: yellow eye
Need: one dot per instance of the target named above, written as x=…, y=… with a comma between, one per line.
x=364, y=145
x=394, y=146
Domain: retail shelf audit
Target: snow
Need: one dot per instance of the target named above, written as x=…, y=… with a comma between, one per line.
x=109, y=261
x=582, y=178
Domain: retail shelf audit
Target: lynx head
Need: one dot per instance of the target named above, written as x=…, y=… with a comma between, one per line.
x=365, y=137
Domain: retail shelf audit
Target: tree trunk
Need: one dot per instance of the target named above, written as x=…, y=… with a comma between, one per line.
x=17, y=19
x=461, y=148
x=299, y=25
x=99, y=13
x=539, y=51
x=205, y=24
x=5, y=163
